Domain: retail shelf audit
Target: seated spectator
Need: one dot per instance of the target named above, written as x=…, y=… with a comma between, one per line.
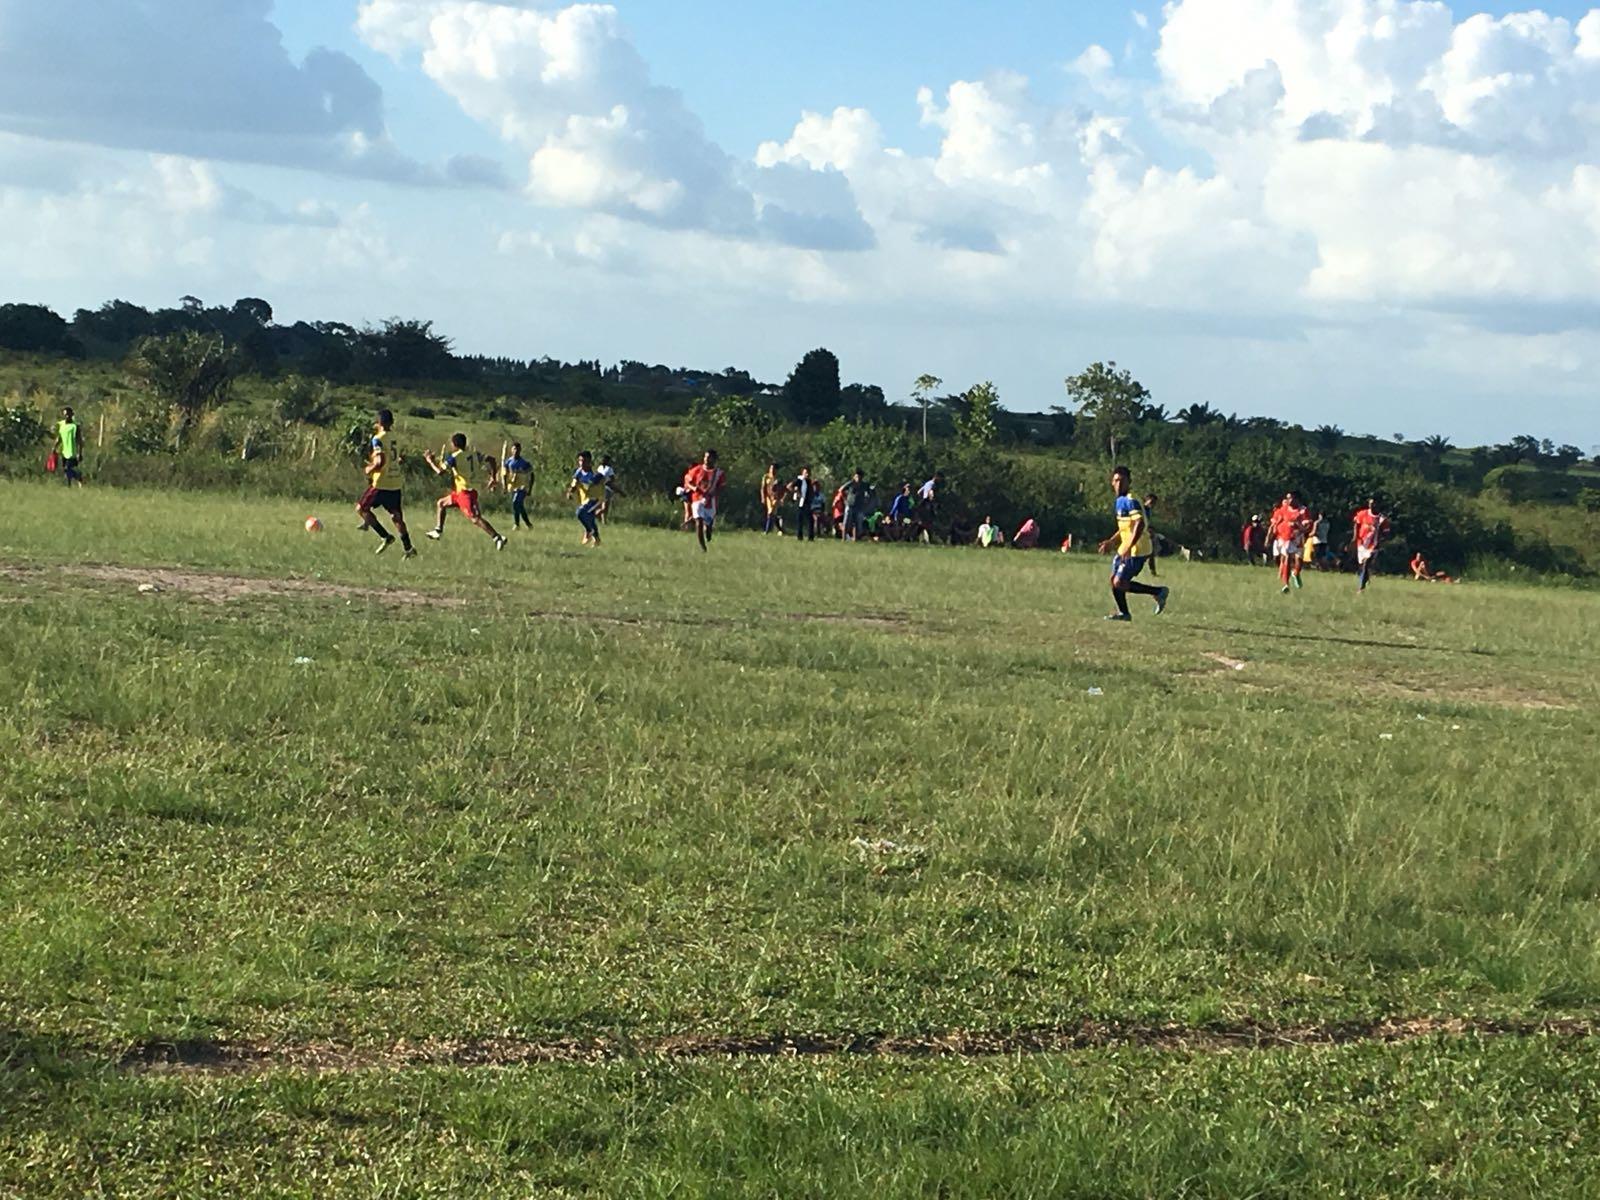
x=1066, y=544
x=1027, y=536
x=989, y=534
x=1422, y=574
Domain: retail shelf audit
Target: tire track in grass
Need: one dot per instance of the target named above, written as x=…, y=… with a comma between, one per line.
x=245, y=1057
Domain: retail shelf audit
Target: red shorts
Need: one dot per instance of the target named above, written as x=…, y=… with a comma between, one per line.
x=467, y=502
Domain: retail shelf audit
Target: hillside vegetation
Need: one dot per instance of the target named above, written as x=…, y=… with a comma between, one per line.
x=288, y=413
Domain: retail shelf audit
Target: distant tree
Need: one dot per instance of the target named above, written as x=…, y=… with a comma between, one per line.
x=116, y=322
x=922, y=392
x=862, y=401
x=1063, y=425
x=35, y=329
x=1327, y=437
x=405, y=349
x=299, y=400
x=1197, y=416
x=977, y=419
x=190, y=372
x=1153, y=414
x=1435, y=447
x=1566, y=457
x=191, y=304
x=257, y=312
x=1110, y=398
x=812, y=390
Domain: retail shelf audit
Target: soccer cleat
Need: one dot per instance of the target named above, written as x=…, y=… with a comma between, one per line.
x=434, y=534
x=384, y=545
x=1161, y=599
x=1117, y=616
x=411, y=552
x=1295, y=579
x=1285, y=589
x=499, y=543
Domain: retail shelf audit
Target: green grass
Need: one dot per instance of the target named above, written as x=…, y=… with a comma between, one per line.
x=614, y=793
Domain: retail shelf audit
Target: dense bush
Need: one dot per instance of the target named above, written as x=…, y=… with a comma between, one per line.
x=21, y=429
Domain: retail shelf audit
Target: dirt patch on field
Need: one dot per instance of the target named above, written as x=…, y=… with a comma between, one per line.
x=1497, y=695
x=859, y=620
x=253, y=1058
x=221, y=588
x=1226, y=663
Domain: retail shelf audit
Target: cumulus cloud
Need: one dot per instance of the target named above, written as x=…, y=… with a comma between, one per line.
x=208, y=78
x=570, y=90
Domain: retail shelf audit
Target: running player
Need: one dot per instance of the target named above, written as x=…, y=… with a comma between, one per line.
x=456, y=462
x=1132, y=542
x=590, y=488
x=613, y=489
x=1369, y=529
x=517, y=473
x=383, y=486
x=1290, y=523
x=705, y=483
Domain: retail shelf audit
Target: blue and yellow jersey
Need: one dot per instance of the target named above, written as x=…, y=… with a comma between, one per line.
x=590, y=485
x=1130, y=513
x=519, y=474
x=387, y=478
x=459, y=464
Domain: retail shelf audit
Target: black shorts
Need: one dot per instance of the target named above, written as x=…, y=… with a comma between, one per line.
x=387, y=499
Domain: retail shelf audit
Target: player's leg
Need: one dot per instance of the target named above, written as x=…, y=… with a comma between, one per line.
x=1295, y=563
x=398, y=516
x=369, y=520
x=440, y=510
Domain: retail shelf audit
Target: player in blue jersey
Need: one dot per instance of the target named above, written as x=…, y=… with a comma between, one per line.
x=1133, y=546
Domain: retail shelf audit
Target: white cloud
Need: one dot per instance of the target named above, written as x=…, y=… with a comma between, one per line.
x=196, y=77
x=569, y=89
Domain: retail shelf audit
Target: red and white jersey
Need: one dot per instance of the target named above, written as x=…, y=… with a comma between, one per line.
x=705, y=483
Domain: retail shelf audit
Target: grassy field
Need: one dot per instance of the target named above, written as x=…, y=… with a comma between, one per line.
x=308, y=808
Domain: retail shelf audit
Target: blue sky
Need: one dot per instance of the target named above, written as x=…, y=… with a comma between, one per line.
x=1379, y=213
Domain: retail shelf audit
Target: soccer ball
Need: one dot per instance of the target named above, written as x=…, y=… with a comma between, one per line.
x=313, y=525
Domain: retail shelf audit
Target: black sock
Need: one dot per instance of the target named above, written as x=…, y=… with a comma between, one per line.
x=1140, y=589
x=372, y=524
x=405, y=540
x=1121, y=598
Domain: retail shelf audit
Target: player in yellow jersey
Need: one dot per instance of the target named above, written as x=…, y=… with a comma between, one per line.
x=590, y=488
x=456, y=463
x=1133, y=545
x=383, y=486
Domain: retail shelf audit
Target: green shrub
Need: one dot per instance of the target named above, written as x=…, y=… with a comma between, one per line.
x=20, y=429
x=146, y=425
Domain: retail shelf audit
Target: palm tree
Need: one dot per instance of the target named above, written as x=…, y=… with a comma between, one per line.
x=1197, y=415
x=922, y=391
x=1435, y=447
x=1328, y=437
x=1156, y=413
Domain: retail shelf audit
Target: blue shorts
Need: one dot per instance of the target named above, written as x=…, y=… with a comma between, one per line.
x=1123, y=570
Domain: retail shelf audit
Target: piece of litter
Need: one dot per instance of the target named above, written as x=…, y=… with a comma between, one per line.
x=1386, y=737
x=1096, y=692
x=302, y=661
x=476, y=632
x=885, y=846
x=147, y=588
x=1455, y=728
x=1420, y=717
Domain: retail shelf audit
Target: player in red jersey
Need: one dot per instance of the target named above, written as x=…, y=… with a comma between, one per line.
x=1369, y=529
x=1290, y=523
x=704, y=483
